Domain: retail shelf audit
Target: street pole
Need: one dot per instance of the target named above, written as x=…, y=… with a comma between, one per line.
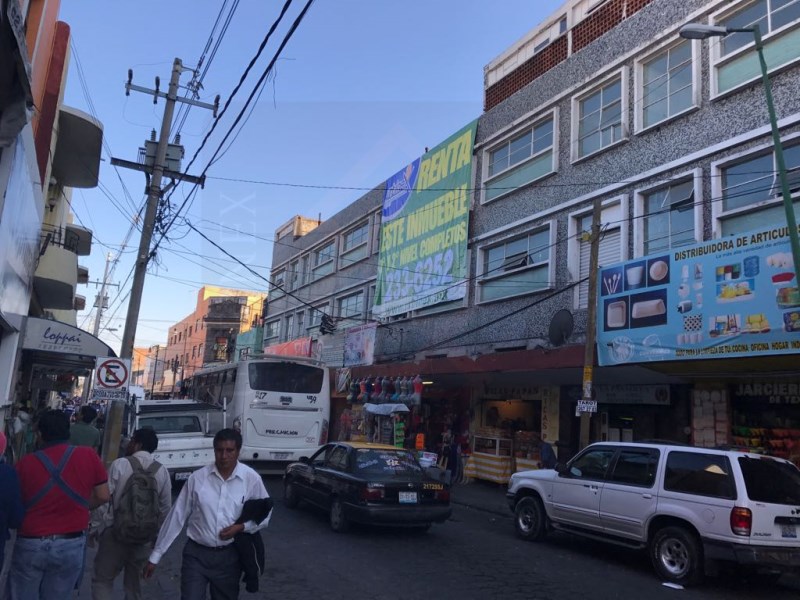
x=786, y=191
x=591, y=322
x=153, y=197
x=155, y=370
x=102, y=298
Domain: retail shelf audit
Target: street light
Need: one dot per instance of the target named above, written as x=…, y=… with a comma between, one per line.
x=700, y=31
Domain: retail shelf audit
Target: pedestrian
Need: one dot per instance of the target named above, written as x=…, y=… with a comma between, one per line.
x=60, y=484
x=83, y=432
x=10, y=500
x=547, y=456
x=141, y=496
x=210, y=504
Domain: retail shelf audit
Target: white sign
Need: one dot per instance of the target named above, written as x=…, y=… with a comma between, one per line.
x=587, y=406
x=111, y=379
x=53, y=336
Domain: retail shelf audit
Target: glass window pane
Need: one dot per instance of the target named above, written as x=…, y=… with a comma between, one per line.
x=655, y=112
x=494, y=258
x=539, y=246
x=498, y=160
x=590, y=104
x=701, y=474
x=589, y=144
x=542, y=136
x=785, y=11
x=519, y=246
x=612, y=92
x=747, y=182
x=592, y=465
x=635, y=467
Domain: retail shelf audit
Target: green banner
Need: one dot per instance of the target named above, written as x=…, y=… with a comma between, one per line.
x=425, y=220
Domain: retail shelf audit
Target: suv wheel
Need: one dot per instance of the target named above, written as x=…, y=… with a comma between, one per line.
x=530, y=519
x=676, y=555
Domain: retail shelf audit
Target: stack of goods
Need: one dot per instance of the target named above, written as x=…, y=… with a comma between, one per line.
x=526, y=445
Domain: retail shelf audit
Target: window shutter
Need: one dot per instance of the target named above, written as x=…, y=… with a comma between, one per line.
x=610, y=253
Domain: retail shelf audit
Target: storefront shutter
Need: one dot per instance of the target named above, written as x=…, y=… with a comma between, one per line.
x=610, y=253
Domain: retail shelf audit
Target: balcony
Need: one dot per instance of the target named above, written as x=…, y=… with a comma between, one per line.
x=57, y=271
x=84, y=238
x=83, y=275
x=76, y=160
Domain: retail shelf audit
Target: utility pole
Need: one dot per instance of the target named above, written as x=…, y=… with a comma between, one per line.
x=155, y=370
x=155, y=172
x=101, y=299
x=591, y=322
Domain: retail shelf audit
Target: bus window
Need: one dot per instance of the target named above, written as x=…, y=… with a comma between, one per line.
x=286, y=377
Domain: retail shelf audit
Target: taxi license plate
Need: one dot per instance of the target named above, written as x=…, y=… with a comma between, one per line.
x=408, y=497
x=788, y=531
x=182, y=476
x=280, y=455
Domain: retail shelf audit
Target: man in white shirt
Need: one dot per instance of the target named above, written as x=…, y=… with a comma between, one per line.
x=113, y=554
x=209, y=504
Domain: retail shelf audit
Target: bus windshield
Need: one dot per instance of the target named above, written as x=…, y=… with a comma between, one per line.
x=285, y=377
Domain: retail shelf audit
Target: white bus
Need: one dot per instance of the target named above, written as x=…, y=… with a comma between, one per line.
x=280, y=404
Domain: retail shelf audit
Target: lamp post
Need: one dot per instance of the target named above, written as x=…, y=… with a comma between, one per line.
x=700, y=31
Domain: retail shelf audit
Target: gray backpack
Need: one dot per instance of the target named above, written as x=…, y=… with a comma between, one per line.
x=136, y=514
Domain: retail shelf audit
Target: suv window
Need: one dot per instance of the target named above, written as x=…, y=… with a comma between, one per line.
x=635, y=467
x=593, y=464
x=700, y=474
x=769, y=480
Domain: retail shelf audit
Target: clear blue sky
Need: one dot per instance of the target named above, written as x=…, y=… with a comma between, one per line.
x=362, y=88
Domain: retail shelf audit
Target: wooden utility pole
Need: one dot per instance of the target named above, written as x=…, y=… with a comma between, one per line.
x=591, y=326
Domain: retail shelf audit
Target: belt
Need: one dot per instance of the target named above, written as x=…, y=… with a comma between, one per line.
x=214, y=548
x=54, y=536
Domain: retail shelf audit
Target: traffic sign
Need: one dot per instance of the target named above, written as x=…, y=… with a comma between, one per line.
x=589, y=406
x=111, y=379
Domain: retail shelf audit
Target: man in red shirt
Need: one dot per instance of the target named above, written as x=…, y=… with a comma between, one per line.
x=60, y=484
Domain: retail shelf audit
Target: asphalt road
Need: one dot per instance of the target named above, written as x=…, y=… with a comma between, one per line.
x=474, y=555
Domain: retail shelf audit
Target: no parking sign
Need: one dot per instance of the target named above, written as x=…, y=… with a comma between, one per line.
x=111, y=379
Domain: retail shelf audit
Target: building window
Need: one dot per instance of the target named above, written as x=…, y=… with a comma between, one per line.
x=301, y=323
x=751, y=191
x=667, y=84
x=278, y=284
x=351, y=306
x=294, y=275
x=611, y=249
x=272, y=330
x=524, y=157
x=668, y=217
x=355, y=244
x=323, y=260
x=517, y=266
x=601, y=120
x=736, y=61
x=315, y=318
x=289, y=327
x=562, y=25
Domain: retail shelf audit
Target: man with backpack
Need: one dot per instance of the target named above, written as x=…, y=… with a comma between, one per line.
x=60, y=484
x=141, y=496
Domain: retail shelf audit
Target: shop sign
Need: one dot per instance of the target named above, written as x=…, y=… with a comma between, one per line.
x=768, y=393
x=359, y=345
x=424, y=228
x=729, y=297
x=54, y=336
x=298, y=347
x=586, y=406
x=625, y=394
x=512, y=392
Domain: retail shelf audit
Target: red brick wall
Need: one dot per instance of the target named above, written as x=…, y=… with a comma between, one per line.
x=592, y=27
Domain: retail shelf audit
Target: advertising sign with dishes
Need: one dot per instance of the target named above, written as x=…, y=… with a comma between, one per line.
x=735, y=296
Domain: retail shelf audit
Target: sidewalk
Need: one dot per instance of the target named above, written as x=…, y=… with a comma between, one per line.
x=481, y=495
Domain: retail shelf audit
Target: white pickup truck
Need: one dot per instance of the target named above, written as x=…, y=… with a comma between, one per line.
x=185, y=442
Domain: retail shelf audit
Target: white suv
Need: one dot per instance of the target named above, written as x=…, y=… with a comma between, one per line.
x=686, y=505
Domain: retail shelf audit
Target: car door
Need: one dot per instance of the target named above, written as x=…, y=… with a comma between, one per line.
x=629, y=495
x=308, y=474
x=577, y=490
x=328, y=477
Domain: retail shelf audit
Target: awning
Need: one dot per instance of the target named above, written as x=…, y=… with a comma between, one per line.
x=385, y=409
x=45, y=335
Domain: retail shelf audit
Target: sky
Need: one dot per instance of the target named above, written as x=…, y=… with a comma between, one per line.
x=359, y=91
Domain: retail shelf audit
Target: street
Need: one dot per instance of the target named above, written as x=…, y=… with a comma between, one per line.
x=474, y=555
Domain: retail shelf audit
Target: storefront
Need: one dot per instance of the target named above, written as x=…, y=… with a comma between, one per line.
x=765, y=417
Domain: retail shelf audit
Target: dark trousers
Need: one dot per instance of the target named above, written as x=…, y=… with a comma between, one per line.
x=202, y=567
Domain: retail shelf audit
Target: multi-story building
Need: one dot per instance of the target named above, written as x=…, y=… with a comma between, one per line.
x=604, y=102
x=47, y=149
x=209, y=333
x=153, y=367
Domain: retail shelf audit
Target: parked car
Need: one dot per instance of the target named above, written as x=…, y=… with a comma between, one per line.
x=685, y=505
x=367, y=483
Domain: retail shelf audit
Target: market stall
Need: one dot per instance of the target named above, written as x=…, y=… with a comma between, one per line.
x=491, y=457
x=385, y=423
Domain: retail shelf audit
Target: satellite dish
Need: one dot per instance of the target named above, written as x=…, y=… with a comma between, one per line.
x=561, y=327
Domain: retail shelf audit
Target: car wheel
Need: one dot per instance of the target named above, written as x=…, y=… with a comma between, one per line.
x=530, y=519
x=677, y=556
x=290, y=497
x=339, y=522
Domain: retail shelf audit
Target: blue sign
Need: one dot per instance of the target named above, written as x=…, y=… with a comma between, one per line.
x=735, y=296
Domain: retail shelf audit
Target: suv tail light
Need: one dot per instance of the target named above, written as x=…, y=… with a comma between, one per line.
x=323, y=435
x=371, y=494
x=741, y=520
